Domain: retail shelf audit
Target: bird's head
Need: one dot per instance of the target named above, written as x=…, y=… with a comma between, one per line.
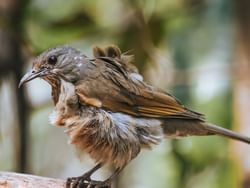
x=53, y=64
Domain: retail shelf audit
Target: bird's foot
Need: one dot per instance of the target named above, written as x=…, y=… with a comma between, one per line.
x=85, y=181
x=78, y=182
x=99, y=184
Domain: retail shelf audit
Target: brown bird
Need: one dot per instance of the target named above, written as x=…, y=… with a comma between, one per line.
x=109, y=111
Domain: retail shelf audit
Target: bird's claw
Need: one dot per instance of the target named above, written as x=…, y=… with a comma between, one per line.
x=86, y=182
x=99, y=184
x=78, y=182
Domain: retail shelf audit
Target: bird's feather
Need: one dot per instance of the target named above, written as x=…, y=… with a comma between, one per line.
x=118, y=92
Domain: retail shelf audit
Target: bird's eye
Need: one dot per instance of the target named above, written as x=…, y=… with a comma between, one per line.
x=52, y=60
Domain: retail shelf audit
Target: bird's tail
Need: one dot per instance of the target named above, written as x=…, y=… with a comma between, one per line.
x=226, y=133
x=176, y=128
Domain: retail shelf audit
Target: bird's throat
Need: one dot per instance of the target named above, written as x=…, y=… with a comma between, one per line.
x=55, y=92
x=66, y=103
x=55, y=87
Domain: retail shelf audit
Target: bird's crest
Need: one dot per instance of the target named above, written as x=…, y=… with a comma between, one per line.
x=112, y=51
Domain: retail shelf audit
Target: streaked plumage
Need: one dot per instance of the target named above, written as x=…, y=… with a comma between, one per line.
x=109, y=111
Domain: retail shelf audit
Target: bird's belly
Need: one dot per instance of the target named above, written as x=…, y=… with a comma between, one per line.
x=113, y=138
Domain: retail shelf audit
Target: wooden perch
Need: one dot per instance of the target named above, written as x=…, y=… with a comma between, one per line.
x=16, y=180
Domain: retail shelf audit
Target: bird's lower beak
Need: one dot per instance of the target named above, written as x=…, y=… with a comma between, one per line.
x=30, y=76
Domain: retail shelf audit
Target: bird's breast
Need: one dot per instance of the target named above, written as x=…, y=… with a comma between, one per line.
x=108, y=137
x=66, y=106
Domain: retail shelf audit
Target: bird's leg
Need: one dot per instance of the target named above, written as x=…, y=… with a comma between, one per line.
x=106, y=183
x=78, y=182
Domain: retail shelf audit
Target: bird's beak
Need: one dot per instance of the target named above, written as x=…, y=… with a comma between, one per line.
x=32, y=74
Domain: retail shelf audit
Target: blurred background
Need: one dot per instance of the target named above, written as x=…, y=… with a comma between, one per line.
x=198, y=50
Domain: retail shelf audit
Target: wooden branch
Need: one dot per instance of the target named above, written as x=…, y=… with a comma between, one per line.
x=16, y=180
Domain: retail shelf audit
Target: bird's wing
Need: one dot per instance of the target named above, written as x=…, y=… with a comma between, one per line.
x=114, y=90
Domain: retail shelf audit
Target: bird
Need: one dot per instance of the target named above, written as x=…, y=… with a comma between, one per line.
x=109, y=111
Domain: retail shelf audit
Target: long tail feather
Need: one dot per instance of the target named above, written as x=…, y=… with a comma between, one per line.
x=176, y=128
x=226, y=133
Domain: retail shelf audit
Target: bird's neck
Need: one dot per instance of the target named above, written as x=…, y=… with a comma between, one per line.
x=56, y=91
x=56, y=88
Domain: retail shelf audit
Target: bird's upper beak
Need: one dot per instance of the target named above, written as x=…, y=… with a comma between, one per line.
x=32, y=74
